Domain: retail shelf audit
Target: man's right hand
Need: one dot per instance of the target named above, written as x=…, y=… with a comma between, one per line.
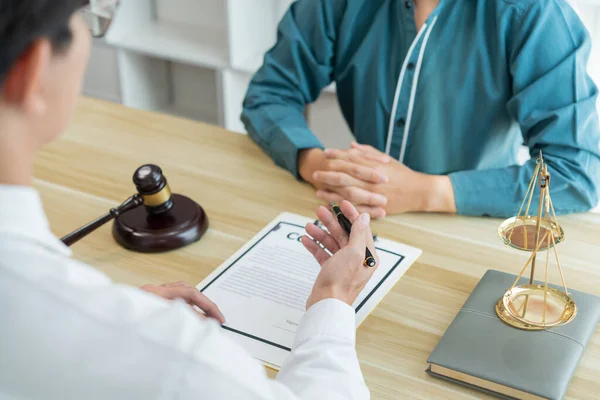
x=343, y=275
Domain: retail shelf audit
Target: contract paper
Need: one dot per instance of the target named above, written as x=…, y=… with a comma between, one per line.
x=262, y=289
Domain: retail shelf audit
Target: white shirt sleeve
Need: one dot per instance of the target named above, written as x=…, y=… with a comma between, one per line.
x=322, y=365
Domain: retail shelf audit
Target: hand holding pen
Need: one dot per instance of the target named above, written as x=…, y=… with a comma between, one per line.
x=347, y=227
x=343, y=273
x=340, y=227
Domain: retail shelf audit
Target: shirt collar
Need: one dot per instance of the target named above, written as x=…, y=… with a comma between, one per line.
x=22, y=215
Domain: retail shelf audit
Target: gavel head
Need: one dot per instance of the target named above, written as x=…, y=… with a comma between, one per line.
x=168, y=220
x=152, y=185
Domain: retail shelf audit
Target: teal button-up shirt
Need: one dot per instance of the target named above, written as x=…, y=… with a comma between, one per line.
x=458, y=97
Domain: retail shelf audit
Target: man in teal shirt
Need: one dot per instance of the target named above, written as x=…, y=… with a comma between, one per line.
x=441, y=95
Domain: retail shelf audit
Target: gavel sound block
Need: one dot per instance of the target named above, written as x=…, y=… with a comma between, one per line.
x=166, y=221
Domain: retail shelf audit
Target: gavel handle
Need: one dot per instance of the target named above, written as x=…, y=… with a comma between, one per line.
x=129, y=204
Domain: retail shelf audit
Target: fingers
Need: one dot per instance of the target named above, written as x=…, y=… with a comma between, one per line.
x=195, y=298
x=150, y=288
x=354, y=195
x=371, y=246
x=329, y=196
x=359, y=237
x=349, y=211
x=362, y=158
x=363, y=173
x=191, y=295
x=353, y=215
x=352, y=155
x=321, y=236
x=336, y=178
x=333, y=226
x=368, y=153
x=374, y=212
x=378, y=155
x=370, y=242
x=318, y=253
x=199, y=313
x=180, y=283
x=335, y=154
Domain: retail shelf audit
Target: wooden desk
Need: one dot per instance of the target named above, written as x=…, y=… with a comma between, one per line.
x=89, y=170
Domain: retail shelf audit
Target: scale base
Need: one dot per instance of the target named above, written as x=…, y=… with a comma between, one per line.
x=183, y=224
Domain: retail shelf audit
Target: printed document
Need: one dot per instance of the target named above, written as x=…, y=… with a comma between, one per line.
x=262, y=289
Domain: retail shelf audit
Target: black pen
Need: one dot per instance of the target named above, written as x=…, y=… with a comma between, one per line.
x=347, y=226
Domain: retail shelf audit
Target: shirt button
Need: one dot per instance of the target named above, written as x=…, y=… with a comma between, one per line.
x=407, y=4
x=410, y=66
x=401, y=122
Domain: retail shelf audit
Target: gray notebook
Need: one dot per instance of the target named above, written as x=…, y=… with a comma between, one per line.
x=480, y=351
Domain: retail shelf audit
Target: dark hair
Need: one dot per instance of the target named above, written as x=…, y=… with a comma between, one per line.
x=23, y=21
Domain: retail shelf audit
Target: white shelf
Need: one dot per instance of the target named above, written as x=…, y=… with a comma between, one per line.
x=251, y=64
x=200, y=46
x=190, y=58
x=252, y=29
x=234, y=84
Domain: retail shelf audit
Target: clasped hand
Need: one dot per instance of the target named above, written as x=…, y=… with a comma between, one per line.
x=374, y=182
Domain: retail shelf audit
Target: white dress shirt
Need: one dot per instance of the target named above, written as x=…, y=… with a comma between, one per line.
x=68, y=332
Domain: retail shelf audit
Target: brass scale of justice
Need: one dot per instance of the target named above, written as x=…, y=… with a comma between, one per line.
x=169, y=221
x=535, y=306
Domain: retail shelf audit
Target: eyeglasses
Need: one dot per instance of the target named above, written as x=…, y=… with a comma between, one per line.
x=99, y=15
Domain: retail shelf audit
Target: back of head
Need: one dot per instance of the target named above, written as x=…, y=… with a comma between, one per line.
x=24, y=21
x=44, y=46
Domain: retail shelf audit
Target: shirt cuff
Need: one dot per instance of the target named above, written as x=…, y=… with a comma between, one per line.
x=287, y=144
x=486, y=193
x=329, y=317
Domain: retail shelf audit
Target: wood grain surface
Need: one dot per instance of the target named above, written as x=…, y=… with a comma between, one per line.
x=89, y=170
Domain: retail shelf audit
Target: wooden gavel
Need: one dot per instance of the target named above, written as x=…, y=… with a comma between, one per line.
x=166, y=222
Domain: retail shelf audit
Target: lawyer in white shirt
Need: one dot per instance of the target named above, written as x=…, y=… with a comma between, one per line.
x=68, y=332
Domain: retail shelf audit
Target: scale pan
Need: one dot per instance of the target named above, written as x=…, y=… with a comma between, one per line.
x=519, y=232
x=523, y=307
